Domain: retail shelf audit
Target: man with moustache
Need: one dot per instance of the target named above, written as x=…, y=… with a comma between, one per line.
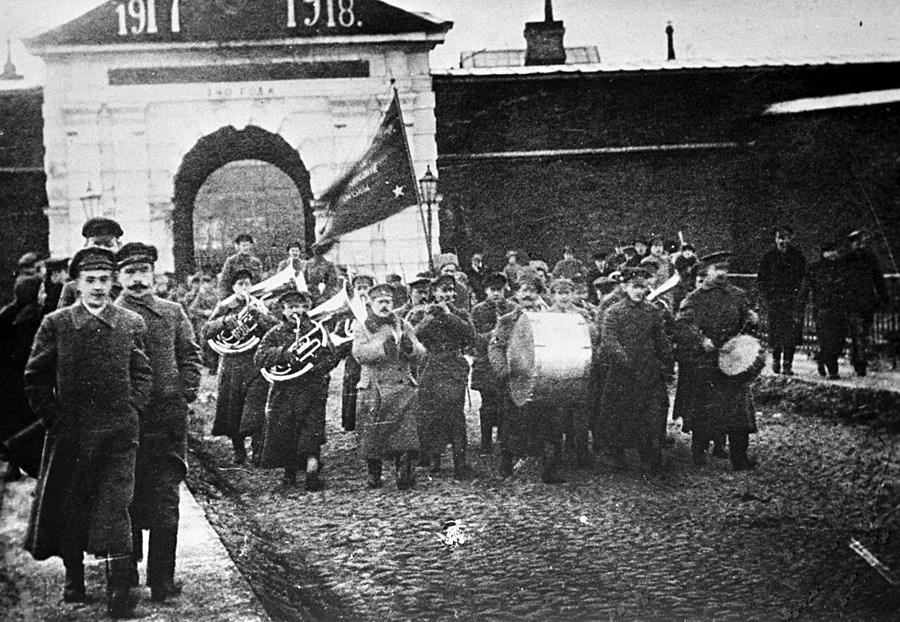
x=88, y=378
x=361, y=285
x=162, y=453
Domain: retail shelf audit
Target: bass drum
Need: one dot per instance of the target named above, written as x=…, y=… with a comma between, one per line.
x=549, y=358
x=742, y=358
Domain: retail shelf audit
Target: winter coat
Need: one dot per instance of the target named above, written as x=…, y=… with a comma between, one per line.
x=636, y=353
x=88, y=378
x=232, y=265
x=242, y=391
x=781, y=274
x=443, y=376
x=484, y=319
x=864, y=281
x=826, y=282
x=387, y=410
x=295, y=410
x=710, y=402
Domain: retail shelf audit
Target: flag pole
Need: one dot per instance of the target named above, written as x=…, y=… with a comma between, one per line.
x=426, y=226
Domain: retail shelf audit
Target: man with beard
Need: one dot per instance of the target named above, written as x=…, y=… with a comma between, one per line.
x=385, y=345
x=711, y=404
x=780, y=279
x=295, y=411
x=162, y=454
x=88, y=378
x=637, y=356
x=484, y=318
x=446, y=332
x=523, y=430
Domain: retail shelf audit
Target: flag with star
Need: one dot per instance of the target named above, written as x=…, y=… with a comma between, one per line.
x=378, y=185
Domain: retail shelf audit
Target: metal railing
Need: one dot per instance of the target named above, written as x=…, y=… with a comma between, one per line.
x=885, y=327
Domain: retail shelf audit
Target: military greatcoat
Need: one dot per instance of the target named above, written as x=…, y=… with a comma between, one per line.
x=161, y=462
x=242, y=391
x=295, y=411
x=388, y=406
x=88, y=378
x=711, y=403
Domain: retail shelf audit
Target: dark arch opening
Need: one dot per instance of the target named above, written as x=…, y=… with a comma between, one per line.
x=215, y=151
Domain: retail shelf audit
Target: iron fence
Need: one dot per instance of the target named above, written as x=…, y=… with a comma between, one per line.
x=885, y=328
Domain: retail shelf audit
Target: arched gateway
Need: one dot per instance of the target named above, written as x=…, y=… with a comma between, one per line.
x=145, y=99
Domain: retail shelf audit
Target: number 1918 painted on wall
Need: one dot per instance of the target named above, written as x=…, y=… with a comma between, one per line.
x=138, y=17
x=337, y=13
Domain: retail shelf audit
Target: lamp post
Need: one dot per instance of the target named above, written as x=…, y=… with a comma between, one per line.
x=90, y=201
x=428, y=194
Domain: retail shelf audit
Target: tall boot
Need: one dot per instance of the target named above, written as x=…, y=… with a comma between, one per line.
x=120, y=599
x=699, y=447
x=374, y=467
x=161, y=563
x=506, y=463
x=487, y=436
x=776, y=360
x=137, y=553
x=73, y=591
x=240, y=452
x=461, y=470
x=739, y=442
x=788, y=361
x=406, y=477
x=552, y=455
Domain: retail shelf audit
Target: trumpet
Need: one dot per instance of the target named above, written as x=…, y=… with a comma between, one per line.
x=304, y=350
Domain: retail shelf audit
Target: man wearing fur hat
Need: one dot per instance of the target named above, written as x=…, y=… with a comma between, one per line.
x=711, y=404
x=484, y=380
x=88, y=378
x=447, y=263
x=446, y=332
x=162, y=454
x=386, y=345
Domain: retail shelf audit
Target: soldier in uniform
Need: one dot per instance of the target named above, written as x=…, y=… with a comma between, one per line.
x=780, y=280
x=242, y=260
x=446, y=332
x=418, y=294
x=711, y=404
x=493, y=398
x=385, y=345
x=636, y=353
x=827, y=292
x=295, y=411
x=88, y=378
x=162, y=454
x=242, y=391
x=361, y=285
x=865, y=293
x=103, y=232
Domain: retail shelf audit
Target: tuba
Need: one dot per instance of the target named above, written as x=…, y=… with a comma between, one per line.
x=308, y=346
x=242, y=337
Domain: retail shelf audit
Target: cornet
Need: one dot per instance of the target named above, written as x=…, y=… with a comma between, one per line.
x=304, y=351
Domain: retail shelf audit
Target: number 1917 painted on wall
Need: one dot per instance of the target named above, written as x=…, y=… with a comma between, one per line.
x=138, y=17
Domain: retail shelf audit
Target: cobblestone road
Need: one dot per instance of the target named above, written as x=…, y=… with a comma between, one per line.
x=691, y=544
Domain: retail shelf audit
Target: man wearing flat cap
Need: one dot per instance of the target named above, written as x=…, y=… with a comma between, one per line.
x=636, y=354
x=865, y=293
x=780, y=279
x=102, y=232
x=89, y=379
x=484, y=380
x=711, y=404
x=162, y=454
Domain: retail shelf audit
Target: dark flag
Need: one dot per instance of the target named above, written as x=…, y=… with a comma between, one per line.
x=380, y=184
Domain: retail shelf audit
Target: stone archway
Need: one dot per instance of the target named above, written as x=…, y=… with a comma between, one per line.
x=216, y=150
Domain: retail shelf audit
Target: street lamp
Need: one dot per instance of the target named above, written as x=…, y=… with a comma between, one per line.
x=90, y=201
x=428, y=195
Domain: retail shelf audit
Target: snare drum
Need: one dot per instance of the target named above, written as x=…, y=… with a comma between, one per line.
x=742, y=358
x=549, y=358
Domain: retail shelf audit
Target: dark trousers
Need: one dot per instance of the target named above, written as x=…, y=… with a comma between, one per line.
x=490, y=416
x=831, y=332
x=738, y=443
x=783, y=332
x=860, y=329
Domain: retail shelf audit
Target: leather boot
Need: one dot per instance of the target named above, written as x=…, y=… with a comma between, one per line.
x=240, y=452
x=120, y=598
x=552, y=455
x=506, y=464
x=461, y=470
x=374, y=480
x=314, y=483
x=406, y=477
x=161, y=563
x=73, y=591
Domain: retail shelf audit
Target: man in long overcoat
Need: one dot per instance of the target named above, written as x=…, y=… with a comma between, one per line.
x=446, y=332
x=162, y=454
x=385, y=345
x=711, y=403
x=780, y=280
x=361, y=284
x=484, y=380
x=865, y=292
x=294, y=429
x=89, y=379
x=826, y=282
x=636, y=353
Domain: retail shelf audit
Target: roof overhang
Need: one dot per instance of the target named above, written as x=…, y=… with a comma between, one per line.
x=835, y=102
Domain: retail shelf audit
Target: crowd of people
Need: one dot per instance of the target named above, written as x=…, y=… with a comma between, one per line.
x=102, y=359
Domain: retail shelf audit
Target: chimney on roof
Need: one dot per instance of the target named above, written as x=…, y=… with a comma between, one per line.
x=9, y=70
x=669, y=35
x=544, y=40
